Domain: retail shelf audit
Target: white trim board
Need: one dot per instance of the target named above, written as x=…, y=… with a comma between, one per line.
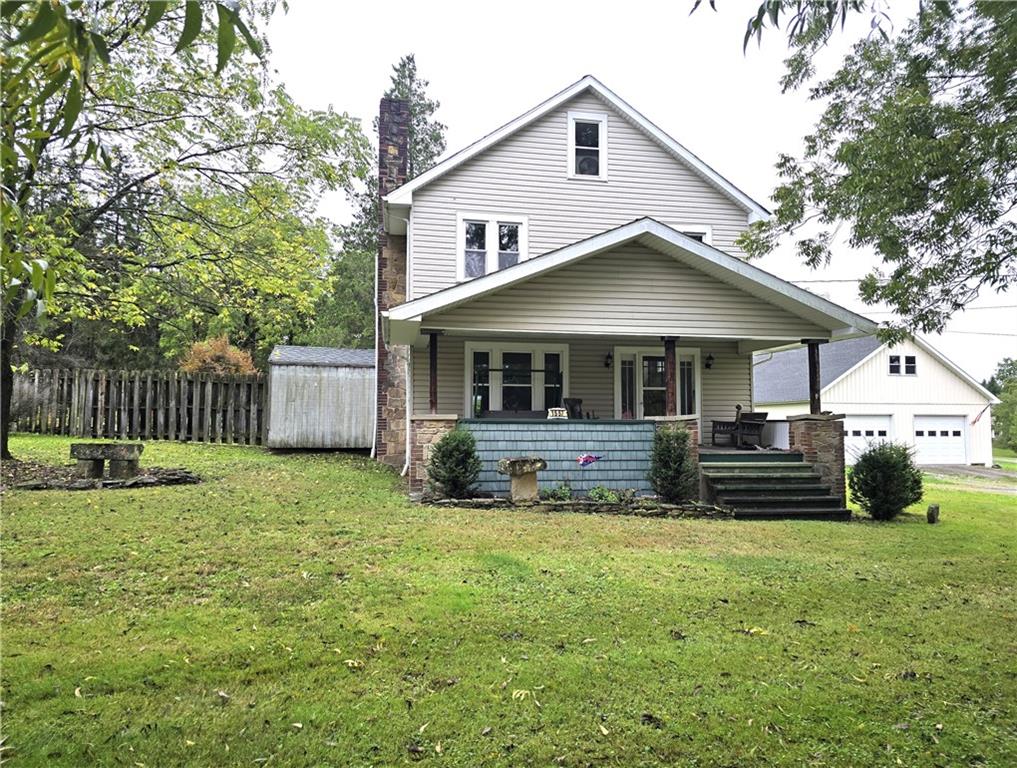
x=403, y=195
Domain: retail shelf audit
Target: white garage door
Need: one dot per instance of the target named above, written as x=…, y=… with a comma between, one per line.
x=859, y=431
x=940, y=440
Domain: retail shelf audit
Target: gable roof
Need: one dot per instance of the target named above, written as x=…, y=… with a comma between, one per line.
x=839, y=321
x=404, y=195
x=783, y=376
x=283, y=354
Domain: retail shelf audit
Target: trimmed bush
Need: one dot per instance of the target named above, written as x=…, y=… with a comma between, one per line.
x=885, y=480
x=673, y=473
x=454, y=466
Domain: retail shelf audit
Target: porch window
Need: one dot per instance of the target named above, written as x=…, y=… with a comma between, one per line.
x=515, y=377
x=517, y=381
x=481, y=397
x=686, y=385
x=587, y=145
x=489, y=242
x=552, y=380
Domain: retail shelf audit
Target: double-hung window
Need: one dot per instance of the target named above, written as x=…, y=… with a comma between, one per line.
x=489, y=242
x=587, y=145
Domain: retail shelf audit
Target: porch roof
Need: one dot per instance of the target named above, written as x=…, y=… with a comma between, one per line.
x=829, y=319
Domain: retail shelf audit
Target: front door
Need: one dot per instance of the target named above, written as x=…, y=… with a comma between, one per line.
x=640, y=384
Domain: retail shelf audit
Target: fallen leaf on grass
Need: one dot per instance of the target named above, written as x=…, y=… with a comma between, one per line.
x=603, y=730
x=77, y=693
x=297, y=726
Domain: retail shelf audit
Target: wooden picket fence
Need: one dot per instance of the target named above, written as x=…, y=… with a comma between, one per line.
x=142, y=405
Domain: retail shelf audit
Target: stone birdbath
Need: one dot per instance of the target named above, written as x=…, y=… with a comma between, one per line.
x=522, y=470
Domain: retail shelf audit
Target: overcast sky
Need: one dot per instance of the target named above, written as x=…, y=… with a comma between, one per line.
x=685, y=73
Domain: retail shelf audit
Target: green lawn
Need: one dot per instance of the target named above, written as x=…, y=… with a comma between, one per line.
x=294, y=610
x=1005, y=457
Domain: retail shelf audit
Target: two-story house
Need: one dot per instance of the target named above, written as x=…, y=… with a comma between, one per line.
x=575, y=257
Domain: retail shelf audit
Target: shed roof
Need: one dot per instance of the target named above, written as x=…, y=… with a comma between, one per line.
x=321, y=356
x=783, y=377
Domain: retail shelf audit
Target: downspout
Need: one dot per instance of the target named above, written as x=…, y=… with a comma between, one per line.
x=409, y=352
x=377, y=341
x=409, y=408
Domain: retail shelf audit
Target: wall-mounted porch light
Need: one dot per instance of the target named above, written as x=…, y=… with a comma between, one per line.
x=709, y=362
x=609, y=360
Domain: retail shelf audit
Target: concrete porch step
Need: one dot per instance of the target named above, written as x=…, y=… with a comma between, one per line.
x=775, y=501
x=733, y=456
x=764, y=478
x=793, y=513
x=741, y=490
x=759, y=470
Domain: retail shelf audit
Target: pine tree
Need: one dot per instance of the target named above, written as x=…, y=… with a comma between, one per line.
x=346, y=315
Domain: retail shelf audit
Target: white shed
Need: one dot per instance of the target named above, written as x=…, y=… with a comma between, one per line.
x=320, y=397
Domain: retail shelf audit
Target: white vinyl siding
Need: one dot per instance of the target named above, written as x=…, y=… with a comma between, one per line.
x=633, y=290
x=528, y=173
x=722, y=387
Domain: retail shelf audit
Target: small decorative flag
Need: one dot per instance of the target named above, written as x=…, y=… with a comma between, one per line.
x=587, y=459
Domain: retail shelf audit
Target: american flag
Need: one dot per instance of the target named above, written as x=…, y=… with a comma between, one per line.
x=587, y=459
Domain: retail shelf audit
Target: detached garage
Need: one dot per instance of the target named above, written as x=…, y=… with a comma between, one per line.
x=909, y=393
x=320, y=397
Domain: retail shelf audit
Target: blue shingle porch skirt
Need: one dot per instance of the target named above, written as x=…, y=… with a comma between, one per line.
x=624, y=445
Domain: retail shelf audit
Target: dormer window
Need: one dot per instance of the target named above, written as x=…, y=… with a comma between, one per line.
x=587, y=145
x=488, y=242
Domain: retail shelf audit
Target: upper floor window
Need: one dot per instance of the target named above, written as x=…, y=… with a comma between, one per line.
x=703, y=233
x=489, y=242
x=910, y=365
x=587, y=145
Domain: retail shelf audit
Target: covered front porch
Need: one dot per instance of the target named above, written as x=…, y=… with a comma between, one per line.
x=623, y=330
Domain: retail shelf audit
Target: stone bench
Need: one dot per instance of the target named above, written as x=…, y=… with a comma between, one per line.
x=523, y=473
x=122, y=457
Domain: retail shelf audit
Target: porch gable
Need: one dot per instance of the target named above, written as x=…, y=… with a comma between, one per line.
x=633, y=290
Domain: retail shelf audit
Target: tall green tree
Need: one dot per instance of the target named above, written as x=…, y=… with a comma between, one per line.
x=915, y=153
x=346, y=316
x=162, y=180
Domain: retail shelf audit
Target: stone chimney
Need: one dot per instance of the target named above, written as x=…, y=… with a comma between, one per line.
x=393, y=159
